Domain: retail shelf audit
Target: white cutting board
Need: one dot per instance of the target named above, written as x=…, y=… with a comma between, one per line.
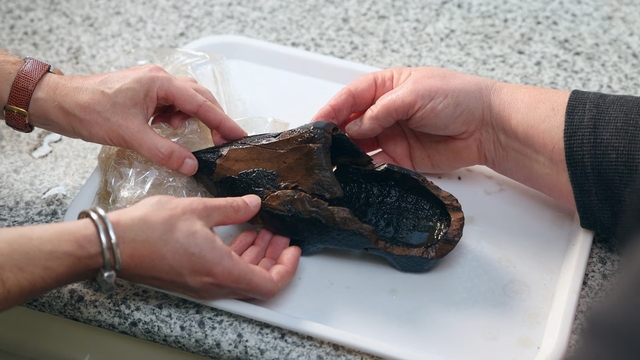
x=508, y=290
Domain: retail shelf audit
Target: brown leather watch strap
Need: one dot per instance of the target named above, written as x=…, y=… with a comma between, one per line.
x=16, y=112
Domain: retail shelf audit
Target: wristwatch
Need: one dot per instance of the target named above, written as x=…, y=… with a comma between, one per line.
x=16, y=112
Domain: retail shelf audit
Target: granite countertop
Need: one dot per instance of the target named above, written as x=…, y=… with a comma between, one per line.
x=590, y=45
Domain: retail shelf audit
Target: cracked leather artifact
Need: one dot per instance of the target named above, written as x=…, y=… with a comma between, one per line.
x=320, y=189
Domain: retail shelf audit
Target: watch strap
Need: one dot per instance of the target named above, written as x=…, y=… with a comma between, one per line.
x=16, y=112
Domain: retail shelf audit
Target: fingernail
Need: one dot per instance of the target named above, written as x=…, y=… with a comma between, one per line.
x=189, y=166
x=353, y=126
x=252, y=200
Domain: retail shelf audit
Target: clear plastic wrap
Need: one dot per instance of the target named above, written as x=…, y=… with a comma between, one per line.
x=209, y=70
x=128, y=177
x=261, y=125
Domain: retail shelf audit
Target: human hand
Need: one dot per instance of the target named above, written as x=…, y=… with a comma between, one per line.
x=424, y=119
x=435, y=120
x=169, y=243
x=115, y=109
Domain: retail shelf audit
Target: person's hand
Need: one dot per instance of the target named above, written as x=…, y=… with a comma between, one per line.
x=169, y=243
x=115, y=109
x=435, y=120
x=424, y=119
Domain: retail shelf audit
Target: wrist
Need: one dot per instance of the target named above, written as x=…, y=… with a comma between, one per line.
x=9, y=67
x=44, y=107
x=26, y=89
x=89, y=252
x=491, y=125
x=496, y=138
x=120, y=221
x=528, y=138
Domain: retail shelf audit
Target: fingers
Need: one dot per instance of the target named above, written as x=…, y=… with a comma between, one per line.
x=174, y=119
x=367, y=145
x=217, y=138
x=262, y=249
x=243, y=241
x=229, y=211
x=257, y=282
x=286, y=265
x=282, y=272
x=381, y=98
x=398, y=104
x=358, y=96
x=163, y=151
x=355, y=97
x=178, y=119
x=254, y=253
x=190, y=101
x=205, y=93
x=277, y=245
x=187, y=79
x=265, y=265
x=171, y=115
x=383, y=158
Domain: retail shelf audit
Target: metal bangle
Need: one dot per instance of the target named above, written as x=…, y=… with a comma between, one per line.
x=106, y=276
x=112, y=236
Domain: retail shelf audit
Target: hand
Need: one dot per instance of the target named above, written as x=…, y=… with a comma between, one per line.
x=436, y=120
x=115, y=109
x=169, y=243
x=424, y=119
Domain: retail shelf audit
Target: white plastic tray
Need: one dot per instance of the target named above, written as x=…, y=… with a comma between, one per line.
x=508, y=290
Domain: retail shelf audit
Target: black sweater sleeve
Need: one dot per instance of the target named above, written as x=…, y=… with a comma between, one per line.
x=602, y=150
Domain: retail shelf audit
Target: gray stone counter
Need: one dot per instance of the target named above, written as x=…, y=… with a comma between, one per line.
x=566, y=44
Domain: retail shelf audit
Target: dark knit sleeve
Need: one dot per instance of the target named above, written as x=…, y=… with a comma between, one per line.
x=602, y=150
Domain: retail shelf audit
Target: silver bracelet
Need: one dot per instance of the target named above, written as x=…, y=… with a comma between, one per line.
x=112, y=236
x=107, y=275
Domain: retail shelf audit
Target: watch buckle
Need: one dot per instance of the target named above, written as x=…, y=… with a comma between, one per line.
x=16, y=110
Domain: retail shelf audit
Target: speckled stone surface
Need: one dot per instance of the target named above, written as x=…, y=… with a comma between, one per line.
x=566, y=44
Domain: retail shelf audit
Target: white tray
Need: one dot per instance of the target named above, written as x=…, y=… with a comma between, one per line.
x=508, y=290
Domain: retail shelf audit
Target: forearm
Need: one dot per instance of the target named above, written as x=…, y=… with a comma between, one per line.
x=528, y=123
x=37, y=259
x=43, y=108
x=9, y=66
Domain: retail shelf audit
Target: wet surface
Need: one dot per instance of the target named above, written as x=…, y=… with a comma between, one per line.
x=386, y=210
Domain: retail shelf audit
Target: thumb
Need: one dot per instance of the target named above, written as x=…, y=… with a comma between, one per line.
x=164, y=152
x=386, y=111
x=231, y=210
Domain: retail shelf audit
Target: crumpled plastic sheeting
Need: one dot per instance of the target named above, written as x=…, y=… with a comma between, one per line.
x=261, y=125
x=128, y=177
x=208, y=69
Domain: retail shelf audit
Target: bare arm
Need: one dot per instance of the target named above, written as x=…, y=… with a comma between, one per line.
x=436, y=120
x=115, y=109
x=529, y=139
x=9, y=66
x=165, y=242
x=40, y=258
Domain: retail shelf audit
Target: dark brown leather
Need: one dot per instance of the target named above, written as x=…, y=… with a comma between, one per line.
x=21, y=91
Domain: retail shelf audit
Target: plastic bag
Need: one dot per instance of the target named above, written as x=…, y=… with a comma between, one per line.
x=209, y=70
x=261, y=125
x=128, y=177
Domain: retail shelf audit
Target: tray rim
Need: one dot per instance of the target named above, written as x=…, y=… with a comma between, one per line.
x=558, y=327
